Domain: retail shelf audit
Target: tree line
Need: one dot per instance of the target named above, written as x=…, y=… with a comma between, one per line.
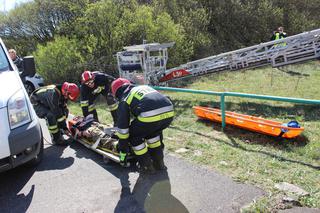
x=69, y=36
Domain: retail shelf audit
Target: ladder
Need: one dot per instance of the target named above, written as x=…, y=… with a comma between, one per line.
x=294, y=49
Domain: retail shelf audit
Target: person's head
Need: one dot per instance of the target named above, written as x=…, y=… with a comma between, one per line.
x=87, y=78
x=70, y=91
x=12, y=54
x=117, y=84
x=280, y=29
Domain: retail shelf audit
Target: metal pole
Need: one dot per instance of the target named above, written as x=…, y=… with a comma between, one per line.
x=273, y=98
x=223, y=113
x=204, y=92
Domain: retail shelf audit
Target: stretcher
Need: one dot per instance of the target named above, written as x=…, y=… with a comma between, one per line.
x=256, y=124
x=97, y=137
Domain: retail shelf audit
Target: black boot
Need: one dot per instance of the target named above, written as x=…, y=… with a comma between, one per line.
x=59, y=140
x=145, y=164
x=95, y=115
x=157, y=158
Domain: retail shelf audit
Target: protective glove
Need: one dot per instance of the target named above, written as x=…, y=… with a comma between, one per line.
x=114, y=136
x=123, y=159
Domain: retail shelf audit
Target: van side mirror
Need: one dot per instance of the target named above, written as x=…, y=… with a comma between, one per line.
x=29, y=66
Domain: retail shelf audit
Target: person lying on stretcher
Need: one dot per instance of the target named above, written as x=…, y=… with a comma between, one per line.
x=94, y=133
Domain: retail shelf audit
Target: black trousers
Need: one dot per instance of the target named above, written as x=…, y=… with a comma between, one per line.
x=45, y=113
x=140, y=131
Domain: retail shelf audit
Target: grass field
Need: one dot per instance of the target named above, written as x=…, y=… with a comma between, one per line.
x=246, y=156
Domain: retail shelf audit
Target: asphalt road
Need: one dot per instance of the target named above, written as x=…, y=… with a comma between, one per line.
x=75, y=179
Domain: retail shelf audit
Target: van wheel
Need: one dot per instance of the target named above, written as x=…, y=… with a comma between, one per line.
x=29, y=87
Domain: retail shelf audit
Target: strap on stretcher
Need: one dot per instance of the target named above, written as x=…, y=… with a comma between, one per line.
x=95, y=145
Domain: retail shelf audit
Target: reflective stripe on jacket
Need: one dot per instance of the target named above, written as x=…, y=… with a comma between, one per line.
x=143, y=103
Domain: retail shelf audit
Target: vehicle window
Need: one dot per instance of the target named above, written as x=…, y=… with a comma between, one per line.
x=4, y=64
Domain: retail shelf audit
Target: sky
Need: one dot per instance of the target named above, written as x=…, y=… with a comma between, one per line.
x=6, y=5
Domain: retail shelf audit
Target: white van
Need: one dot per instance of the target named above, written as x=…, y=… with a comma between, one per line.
x=21, y=139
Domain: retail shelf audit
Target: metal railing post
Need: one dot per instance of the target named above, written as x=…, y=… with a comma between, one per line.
x=223, y=113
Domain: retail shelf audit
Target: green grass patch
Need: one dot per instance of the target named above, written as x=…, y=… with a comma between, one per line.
x=246, y=156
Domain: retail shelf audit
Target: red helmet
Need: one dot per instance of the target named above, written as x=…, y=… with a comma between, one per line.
x=87, y=76
x=70, y=90
x=116, y=84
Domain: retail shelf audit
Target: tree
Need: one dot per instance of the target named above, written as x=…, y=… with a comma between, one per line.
x=97, y=31
x=60, y=60
x=107, y=27
x=299, y=16
x=39, y=21
x=194, y=20
x=146, y=23
x=236, y=24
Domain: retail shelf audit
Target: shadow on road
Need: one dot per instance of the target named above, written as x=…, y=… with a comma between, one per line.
x=127, y=202
x=150, y=193
x=13, y=181
x=52, y=159
x=154, y=193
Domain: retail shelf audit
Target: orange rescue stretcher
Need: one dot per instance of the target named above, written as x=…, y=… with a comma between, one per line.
x=256, y=124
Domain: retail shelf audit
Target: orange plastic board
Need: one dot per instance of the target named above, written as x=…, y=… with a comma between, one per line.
x=248, y=122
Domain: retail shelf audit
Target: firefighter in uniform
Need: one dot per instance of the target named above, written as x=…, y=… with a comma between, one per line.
x=92, y=85
x=152, y=112
x=279, y=34
x=50, y=102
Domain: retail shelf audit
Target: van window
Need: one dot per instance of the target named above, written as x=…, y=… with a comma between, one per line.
x=4, y=64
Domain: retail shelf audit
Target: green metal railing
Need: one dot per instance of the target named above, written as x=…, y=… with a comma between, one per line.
x=237, y=94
